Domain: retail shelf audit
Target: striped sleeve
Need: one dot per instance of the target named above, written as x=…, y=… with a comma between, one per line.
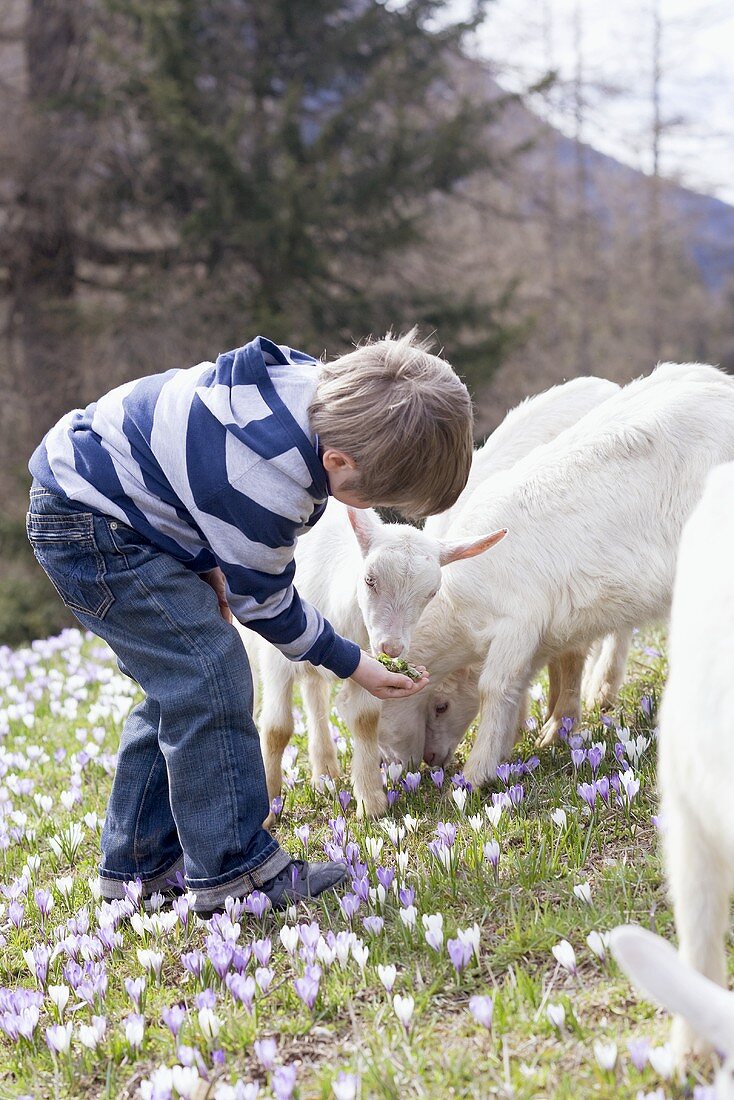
x=261, y=594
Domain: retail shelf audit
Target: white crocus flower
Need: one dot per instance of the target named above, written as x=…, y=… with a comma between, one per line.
x=598, y=943
x=459, y=796
x=387, y=975
x=556, y=1013
x=403, y=1007
x=565, y=955
x=605, y=1054
x=662, y=1061
x=583, y=892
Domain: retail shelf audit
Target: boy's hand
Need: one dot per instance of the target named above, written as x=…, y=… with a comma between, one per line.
x=215, y=579
x=376, y=679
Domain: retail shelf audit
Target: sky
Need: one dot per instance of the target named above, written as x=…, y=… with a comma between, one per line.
x=616, y=36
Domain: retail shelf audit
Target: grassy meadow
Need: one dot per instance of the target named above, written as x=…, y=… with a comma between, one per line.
x=434, y=976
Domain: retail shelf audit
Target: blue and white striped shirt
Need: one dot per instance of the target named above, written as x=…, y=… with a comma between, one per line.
x=216, y=465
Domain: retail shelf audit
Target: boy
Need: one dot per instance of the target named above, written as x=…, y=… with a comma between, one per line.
x=210, y=474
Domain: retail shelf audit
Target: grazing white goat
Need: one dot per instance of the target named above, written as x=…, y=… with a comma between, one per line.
x=657, y=970
x=374, y=590
x=595, y=519
x=696, y=743
x=333, y=574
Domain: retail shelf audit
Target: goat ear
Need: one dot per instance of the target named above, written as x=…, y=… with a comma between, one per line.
x=657, y=970
x=366, y=523
x=458, y=551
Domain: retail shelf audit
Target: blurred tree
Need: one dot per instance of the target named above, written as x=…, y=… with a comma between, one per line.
x=284, y=155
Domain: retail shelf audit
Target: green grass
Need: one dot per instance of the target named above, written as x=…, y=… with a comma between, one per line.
x=522, y=913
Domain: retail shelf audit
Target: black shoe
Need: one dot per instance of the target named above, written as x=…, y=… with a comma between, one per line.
x=297, y=880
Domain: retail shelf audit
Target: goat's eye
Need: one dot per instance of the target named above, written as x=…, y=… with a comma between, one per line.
x=441, y=708
x=370, y=581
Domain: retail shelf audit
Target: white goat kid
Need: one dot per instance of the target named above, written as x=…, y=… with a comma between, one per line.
x=595, y=519
x=333, y=575
x=696, y=744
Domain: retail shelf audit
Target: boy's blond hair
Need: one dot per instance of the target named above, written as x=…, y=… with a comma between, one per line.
x=405, y=418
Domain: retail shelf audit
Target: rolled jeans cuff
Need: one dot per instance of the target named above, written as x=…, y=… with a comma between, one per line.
x=211, y=897
x=114, y=888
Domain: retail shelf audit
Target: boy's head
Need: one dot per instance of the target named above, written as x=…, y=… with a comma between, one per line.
x=402, y=418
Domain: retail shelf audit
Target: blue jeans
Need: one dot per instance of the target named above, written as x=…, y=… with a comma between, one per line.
x=189, y=791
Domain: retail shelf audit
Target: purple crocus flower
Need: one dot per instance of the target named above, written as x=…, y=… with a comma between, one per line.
x=265, y=1052
x=460, y=953
x=303, y=832
x=492, y=853
x=373, y=924
x=135, y=988
x=392, y=797
x=307, y=988
x=437, y=777
x=594, y=757
x=133, y=891
x=385, y=876
x=309, y=934
x=242, y=988
x=361, y=887
x=257, y=903
x=338, y=828
x=44, y=900
x=173, y=1018
x=587, y=791
x=16, y=912
x=531, y=764
x=602, y=788
x=181, y=908
x=350, y=903
x=262, y=950
x=503, y=773
x=283, y=1082
x=646, y=706
x=578, y=756
x=638, y=1052
x=482, y=1009
x=220, y=956
x=446, y=832
x=517, y=794
x=411, y=782
x=206, y=999
x=345, y=797
x=406, y=896
x=352, y=855
x=193, y=961
x=241, y=957
x=276, y=806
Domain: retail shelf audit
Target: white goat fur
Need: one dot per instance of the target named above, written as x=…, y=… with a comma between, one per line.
x=696, y=753
x=595, y=519
x=406, y=565
x=658, y=971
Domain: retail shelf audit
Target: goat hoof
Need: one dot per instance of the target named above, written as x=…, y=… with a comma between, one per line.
x=329, y=768
x=372, y=805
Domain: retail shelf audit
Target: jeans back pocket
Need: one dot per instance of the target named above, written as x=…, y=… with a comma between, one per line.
x=66, y=549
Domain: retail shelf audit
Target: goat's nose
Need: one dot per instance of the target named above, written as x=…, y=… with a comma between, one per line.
x=392, y=648
x=429, y=757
